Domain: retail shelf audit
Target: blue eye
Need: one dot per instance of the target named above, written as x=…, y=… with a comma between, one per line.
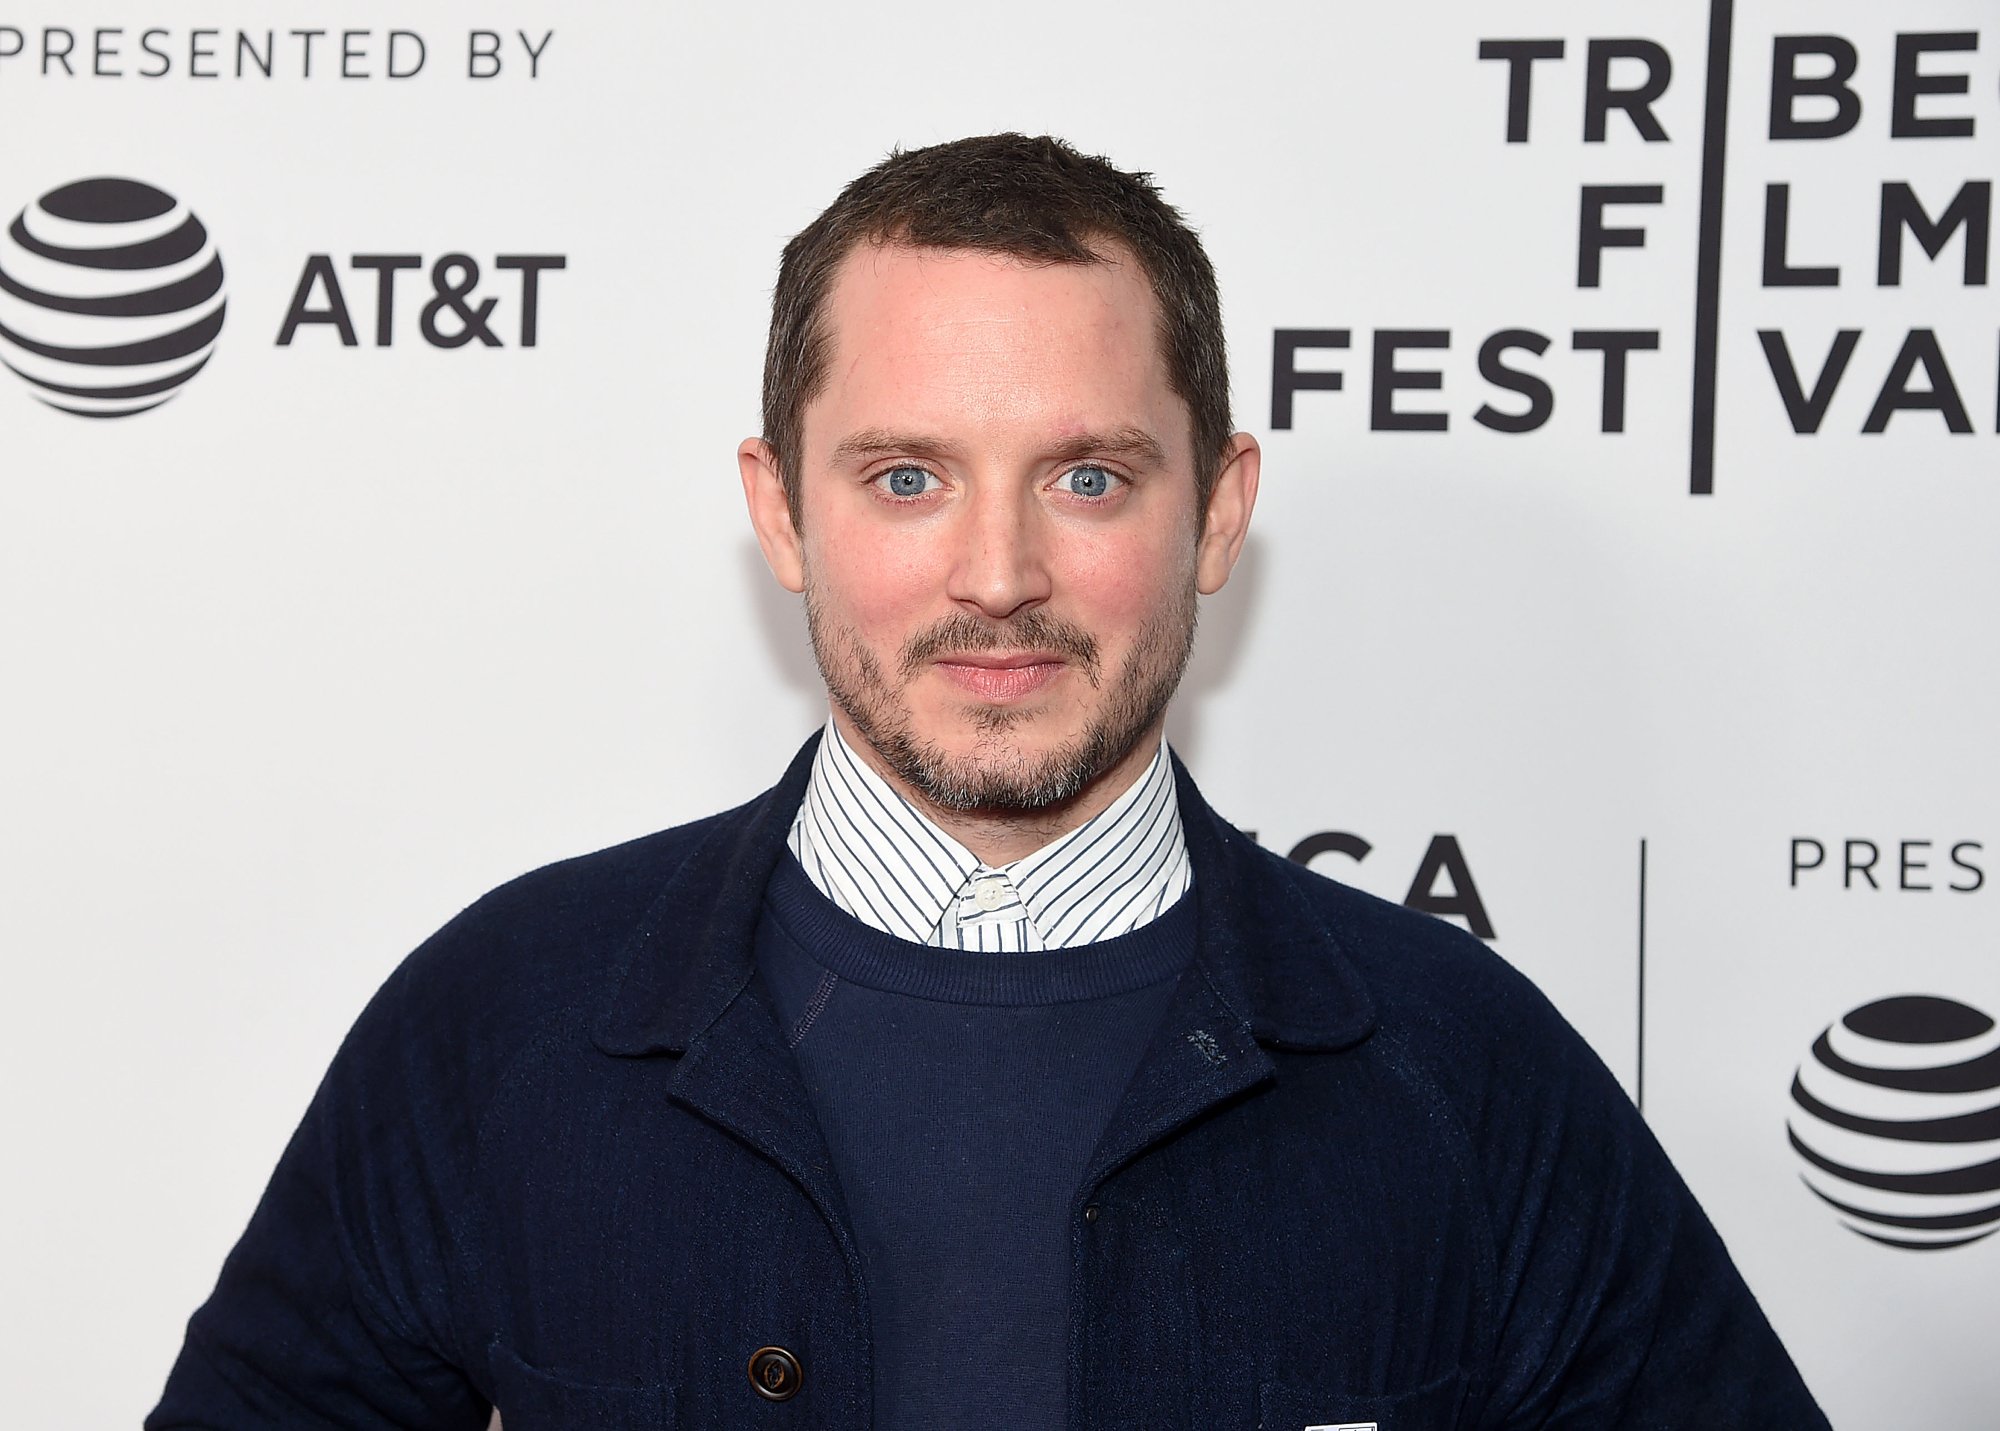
x=1088, y=481
x=906, y=481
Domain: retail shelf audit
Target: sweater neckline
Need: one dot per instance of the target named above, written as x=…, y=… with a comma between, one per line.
x=855, y=952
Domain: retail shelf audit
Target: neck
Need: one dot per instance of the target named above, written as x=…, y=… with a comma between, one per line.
x=1001, y=836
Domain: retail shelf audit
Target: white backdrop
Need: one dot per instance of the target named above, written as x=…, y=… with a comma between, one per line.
x=302, y=661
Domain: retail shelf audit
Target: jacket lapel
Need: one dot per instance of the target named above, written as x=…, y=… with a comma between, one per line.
x=1267, y=971
x=691, y=955
x=739, y=1075
x=685, y=987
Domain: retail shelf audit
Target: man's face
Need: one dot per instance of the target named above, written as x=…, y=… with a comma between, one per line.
x=998, y=535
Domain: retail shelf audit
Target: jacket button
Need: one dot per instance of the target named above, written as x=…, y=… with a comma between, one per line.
x=775, y=1373
x=1090, y=1213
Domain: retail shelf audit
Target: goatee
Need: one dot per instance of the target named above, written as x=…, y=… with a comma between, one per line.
x=998, y=775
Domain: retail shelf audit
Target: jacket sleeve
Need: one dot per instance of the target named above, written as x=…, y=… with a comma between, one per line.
x=334, y=1308
x=1620, y=1307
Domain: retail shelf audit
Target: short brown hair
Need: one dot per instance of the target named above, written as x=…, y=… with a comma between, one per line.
x=1031, y=198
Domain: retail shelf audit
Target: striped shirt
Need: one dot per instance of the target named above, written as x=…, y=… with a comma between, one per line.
x=883, y=861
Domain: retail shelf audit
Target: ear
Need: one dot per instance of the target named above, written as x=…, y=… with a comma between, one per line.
x=1227, y=520
x=770, y=513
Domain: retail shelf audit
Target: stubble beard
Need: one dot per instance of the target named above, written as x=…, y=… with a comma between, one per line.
x=998, y=775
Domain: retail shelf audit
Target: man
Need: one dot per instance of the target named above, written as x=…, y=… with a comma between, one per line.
x=978, y=1074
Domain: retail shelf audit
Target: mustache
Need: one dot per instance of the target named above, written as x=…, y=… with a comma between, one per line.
x=1032, y=630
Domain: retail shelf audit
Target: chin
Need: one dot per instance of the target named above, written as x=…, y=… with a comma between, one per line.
x=998, y=770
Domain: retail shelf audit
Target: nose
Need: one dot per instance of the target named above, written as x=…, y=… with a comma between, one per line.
x=1000, y=563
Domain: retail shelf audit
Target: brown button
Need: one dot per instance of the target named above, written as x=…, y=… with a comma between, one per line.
x=775, y=1373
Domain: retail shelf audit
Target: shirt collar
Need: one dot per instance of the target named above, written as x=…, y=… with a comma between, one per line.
x=885, y=862
x=1271, y=938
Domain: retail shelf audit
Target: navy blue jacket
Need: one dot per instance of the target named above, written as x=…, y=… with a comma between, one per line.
x=565, y=1165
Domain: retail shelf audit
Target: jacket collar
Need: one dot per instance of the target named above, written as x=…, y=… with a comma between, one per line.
x=1274, y=959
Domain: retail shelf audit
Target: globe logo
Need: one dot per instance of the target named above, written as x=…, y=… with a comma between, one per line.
x=1897, y=1116
x=110, y=297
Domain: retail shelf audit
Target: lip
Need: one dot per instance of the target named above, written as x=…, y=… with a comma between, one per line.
x=1002, y=676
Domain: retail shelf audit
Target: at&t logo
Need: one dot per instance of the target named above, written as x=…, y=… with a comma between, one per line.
x=110, y=297
x=1897, y=1116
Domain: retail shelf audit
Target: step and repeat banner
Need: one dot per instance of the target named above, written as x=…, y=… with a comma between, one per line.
x=1623, y=587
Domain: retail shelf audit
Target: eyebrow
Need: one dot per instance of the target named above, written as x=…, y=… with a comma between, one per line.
x=1133, y=443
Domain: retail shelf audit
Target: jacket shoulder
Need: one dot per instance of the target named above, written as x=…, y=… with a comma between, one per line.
x=1594, y=1238
x=525, y=960
x=1422, y=971
x=1460, y=1020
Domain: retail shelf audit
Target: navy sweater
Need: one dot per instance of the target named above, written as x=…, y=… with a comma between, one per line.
x=961, y=1095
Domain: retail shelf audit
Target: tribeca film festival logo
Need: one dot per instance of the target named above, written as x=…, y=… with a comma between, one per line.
x=1896, y=1115
x=110, y=297
x=1812, y=95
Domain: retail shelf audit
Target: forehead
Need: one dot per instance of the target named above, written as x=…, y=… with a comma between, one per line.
x=957, y=335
